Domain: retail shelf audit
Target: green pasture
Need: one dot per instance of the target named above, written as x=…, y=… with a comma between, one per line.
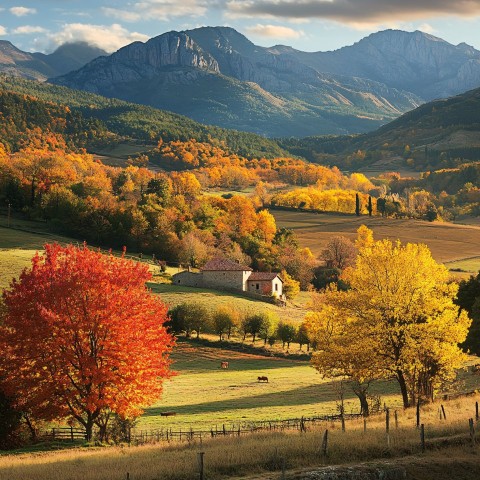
x=469, y=265
x=204, y=396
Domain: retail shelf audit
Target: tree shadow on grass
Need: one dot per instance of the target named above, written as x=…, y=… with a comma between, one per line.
x=309, y=395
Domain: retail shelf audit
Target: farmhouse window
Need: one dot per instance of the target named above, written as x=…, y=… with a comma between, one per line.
x=257, y=286
x=276, y=287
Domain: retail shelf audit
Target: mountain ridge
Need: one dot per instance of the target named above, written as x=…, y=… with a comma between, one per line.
x=40, y=66
x=250, y=84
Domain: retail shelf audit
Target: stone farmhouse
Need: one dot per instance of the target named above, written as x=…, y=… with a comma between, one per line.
x=224, y=274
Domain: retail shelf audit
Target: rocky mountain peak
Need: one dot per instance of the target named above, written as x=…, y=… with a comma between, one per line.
x=170, y=49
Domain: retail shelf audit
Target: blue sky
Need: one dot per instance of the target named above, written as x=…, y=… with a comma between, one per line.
x=309, y=25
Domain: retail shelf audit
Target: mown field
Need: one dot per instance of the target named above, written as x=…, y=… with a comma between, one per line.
x=204, y=396
x=452, y=244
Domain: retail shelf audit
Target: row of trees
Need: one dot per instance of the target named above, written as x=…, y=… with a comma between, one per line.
x=189, y=317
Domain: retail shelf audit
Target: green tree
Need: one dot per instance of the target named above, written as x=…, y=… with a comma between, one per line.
x=370, y=206
x=286, y=332
x=302, y=336
x=223, y=321
x=188, y=317
x=468, y=298
x=268, y=327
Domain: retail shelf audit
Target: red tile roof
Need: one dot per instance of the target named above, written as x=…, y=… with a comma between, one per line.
x=224, y=264
x=263, y=276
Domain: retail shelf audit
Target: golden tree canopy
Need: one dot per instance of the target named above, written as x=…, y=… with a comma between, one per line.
x=399, y=309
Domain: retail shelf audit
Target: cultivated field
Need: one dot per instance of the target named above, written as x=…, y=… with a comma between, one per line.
x=449, y=243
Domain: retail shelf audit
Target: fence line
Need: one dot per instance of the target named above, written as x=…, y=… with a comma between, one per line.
x=242, y=428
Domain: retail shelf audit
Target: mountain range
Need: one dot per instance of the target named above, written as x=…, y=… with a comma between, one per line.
x=39, y=66
x=216, y=76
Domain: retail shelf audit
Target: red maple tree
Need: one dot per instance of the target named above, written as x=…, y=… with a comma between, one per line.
x=83, y=337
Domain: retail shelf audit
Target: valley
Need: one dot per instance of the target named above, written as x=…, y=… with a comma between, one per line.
x=325, y=204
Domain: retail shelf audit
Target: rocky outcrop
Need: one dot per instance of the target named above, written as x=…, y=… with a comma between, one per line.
x=417, y=62
x=140, y=61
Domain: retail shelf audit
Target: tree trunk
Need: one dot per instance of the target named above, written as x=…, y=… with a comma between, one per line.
x=31, y=428
x=364, y=407
x=403, y=388
x=89, y=428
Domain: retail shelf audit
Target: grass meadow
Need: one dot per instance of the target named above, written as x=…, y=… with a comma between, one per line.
x=262, y=455
x=205, y=396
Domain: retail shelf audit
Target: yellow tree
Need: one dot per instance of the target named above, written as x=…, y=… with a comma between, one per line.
x=401, y=300
x=343, y=349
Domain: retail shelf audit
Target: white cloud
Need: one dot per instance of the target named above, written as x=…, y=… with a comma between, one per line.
x=427, y=28
x=126, y=16
x=22, y=11
x=166, y=9
x=3, y=30
x=28, y=29
x=274, y=31
x=109, y=37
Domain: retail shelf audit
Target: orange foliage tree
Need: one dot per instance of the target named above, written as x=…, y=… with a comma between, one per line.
x=82, y=338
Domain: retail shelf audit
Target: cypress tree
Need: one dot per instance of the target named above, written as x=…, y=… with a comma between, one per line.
x=370, y=207
x=357, y=205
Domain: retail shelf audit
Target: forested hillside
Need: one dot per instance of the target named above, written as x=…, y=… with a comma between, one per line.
x=439, y=134
x=143, y=123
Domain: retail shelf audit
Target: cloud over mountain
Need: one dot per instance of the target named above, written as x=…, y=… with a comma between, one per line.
x=353, y=11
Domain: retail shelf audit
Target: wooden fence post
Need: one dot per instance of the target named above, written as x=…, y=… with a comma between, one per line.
x=418, y=413
x=303, y=428
x=443, y=412
x=396, y=419
x=472, y=431
x=325, y=444
x=200, y=456
x=422, y=437
x=387, y=425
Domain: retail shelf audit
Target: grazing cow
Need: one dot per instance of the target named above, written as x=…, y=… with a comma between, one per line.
x=167, y=414
x=224, y=365
x=262, y=379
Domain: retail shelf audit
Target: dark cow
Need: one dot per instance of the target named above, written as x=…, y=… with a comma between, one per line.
x=262, y=379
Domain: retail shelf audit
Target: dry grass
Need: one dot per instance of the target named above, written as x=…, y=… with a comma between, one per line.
x=254, y=454
x=448, y=242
